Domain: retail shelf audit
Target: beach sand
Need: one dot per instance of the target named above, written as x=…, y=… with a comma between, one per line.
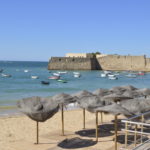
x=19, y=132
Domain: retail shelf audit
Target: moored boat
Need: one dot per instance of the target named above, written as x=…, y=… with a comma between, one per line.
x=6, y=75
x=131, y=75
x=56, y=74
x=140, y=73
x=26, y=70
x=45, y=82
x=54, y=77
x=77, y=75
x=34, y=77
x=103, y=75
x=112, y=78
x=61, y=80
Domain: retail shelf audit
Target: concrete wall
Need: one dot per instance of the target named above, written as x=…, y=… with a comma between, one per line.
x=67, y=63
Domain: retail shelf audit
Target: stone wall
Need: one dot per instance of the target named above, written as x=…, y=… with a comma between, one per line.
x=117, y=62
x=109, y=62
x=67, y=63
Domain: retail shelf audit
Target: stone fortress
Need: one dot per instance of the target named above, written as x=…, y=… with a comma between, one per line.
x=91, y=61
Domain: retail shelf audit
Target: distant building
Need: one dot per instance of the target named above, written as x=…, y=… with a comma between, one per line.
x=84, y=55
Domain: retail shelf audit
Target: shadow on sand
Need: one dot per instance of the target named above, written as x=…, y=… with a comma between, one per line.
x=76, y=142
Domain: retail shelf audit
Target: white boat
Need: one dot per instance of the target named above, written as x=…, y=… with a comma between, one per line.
x=6, y=75
x=111, y=75
x=76, y=72
x=77, y=75
x=107, y=72
x=34, y=77
x=112, y=78
x=26, y=70
x=56, y=74
x=103, y=75
x=131, y=75
x=62, y=72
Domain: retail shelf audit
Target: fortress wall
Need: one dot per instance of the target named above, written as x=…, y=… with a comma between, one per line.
x=117, y=62
x=147, y=62
x=67, y=63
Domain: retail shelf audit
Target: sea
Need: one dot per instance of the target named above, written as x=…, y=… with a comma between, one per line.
x=20, y=85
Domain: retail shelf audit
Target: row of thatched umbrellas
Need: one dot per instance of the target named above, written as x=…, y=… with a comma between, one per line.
x=126, y=100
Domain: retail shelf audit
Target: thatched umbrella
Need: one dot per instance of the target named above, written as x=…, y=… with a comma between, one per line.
x=38, y=109
x=63, y=99
x=114, y=109
x=82, y=95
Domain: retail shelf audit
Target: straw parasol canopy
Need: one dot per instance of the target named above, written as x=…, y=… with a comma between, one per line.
x=64, y=99
x=38, y=108
x=136, y=106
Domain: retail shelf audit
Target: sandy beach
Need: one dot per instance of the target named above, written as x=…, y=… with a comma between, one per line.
x=19, y=132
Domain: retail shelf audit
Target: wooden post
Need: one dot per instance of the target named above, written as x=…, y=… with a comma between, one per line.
x=116, y=131
x=83, y=118
x=142, y=128
x=96, y=126
x=62, y=118
x=135, y=135
x=101, y=117
x=37, y=132
x=126, y=134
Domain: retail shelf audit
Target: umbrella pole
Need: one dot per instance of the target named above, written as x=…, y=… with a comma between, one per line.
x=83, y=118
x=101, y=117
x=37, y=132
x=116, y=129
x=62, y=118
x=96, y=126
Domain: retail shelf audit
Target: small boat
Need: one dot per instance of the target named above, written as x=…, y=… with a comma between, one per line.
x=107, y=72
x=1, y=70
x=103, y=75
x=45, y=82
x=131, y=75
x=76, y=72
x=112, y=78
x=111, y=75
x=6, y=75
x=141, y=73
x=34, y=77
x=63, y=81
x=54, y=77
x=77, y=75
x=56, y=74
x=26, y=70
x=62, y=72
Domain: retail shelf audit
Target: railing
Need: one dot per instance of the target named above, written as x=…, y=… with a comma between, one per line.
x=135, y=126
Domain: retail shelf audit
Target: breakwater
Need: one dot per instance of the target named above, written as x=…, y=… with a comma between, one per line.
x=109, y=62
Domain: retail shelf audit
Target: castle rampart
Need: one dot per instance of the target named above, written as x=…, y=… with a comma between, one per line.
x=105, y=62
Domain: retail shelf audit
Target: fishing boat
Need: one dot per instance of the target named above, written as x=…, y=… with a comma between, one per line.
x=62, y=72
x=140, y=73
x=131, y=75
x=61, y=80
x=76, y=72
x=54, y=77
x=6, y=75
x=45, y=82
x=111, y=75
x=77, y=75
x=26, y=70
x=112, y=78
x=56, y=74
x=34, y=77
x=103, y=75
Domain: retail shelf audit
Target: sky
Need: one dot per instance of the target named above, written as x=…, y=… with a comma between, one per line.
x=36, y=30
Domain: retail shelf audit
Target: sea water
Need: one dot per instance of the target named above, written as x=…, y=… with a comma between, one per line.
x=21, y=85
